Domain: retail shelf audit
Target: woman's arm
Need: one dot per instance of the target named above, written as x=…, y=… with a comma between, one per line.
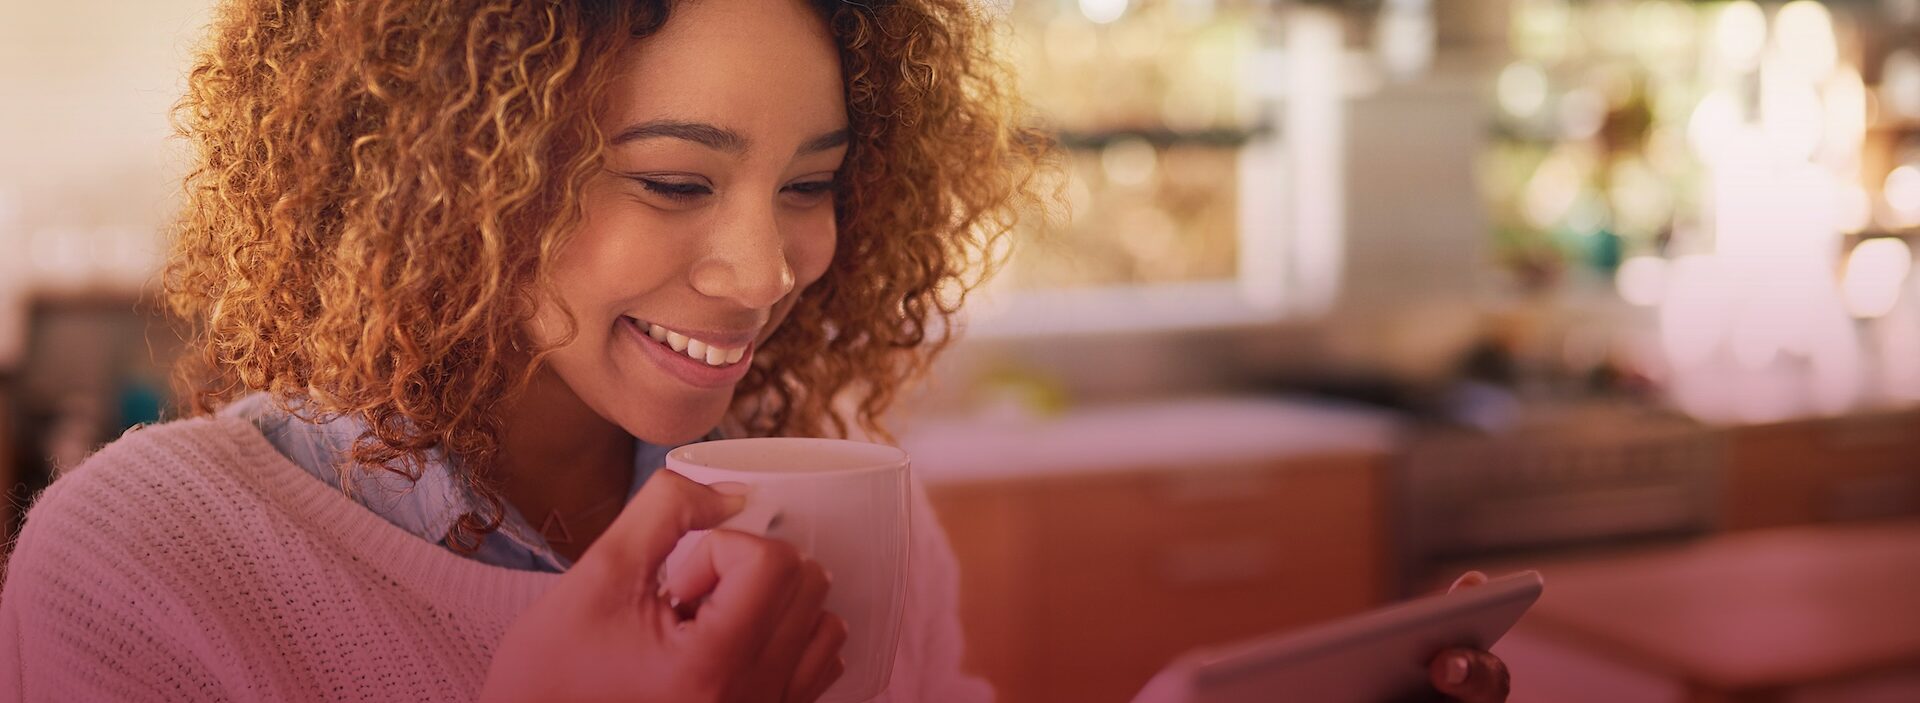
x=80, y=619
x=12, y=688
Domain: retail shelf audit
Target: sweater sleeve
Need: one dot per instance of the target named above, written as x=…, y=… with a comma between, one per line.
x=932, y=649
x=78, y=620
x=11, y=686
x=19, y=597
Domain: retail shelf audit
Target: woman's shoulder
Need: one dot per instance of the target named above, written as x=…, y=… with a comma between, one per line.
x=151, y=455
x=151, y=479
x=133, y=549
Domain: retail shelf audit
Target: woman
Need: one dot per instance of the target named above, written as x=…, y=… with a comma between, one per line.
x=476, y=265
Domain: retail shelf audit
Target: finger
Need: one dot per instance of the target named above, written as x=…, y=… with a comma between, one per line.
x=667, y=507
x=821, y=664
x=696, y=576
x=743, y=583
x=798, y=621
x=1470, y=675
x=1471, y=578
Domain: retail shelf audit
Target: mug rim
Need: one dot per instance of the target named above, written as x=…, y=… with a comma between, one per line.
x=886, y=457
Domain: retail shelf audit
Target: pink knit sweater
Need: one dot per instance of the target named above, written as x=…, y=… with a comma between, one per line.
x=191, y=561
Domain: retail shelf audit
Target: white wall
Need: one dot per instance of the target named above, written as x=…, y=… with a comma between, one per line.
x=88, y=175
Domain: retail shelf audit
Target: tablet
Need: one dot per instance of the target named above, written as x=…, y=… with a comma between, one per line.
x=1374, y=657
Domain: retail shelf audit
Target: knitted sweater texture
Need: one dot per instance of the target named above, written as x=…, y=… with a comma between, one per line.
x=192, y=562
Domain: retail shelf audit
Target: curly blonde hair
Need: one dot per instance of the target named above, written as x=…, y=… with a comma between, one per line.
x=381, y=187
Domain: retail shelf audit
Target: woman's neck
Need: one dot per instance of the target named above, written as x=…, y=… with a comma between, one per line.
x=561, y=461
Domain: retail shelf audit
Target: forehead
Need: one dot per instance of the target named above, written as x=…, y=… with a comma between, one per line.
x=761, y=67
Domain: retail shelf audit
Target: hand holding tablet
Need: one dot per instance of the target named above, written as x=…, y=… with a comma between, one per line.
x=1467, y=674
x=1380, y=656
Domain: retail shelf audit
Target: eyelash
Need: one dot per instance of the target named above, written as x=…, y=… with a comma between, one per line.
x=689, y=191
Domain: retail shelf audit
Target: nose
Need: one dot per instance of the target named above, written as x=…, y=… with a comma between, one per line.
x=746, y=259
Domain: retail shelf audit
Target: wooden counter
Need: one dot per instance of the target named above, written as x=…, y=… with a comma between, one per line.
x=1096, y=548
x=1080, y=588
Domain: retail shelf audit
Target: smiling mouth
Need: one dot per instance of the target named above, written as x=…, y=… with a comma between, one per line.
x=712, y=355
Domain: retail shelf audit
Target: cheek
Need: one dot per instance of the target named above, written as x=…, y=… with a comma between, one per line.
x=550, y=321
x=622, y=252
x=551, y=325
x=593, y=279
x=812, y=253
x=809, y=253
x=566, y=295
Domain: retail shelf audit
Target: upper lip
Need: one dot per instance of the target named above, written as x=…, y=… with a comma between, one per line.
x=725, y=339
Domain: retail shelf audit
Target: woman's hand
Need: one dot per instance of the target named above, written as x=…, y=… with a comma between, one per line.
x=741, y=622
x=1470, y=675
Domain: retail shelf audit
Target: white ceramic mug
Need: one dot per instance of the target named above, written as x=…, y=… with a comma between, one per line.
x=842, y=503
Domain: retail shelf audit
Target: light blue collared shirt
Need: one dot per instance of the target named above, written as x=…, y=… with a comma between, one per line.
x=429, y=507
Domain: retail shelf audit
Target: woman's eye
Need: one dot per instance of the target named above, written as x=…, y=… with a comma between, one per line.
x=813, y=192
x=804, y=194
x=674, y=189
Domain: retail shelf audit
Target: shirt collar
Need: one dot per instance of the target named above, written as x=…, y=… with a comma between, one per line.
x=432, y=506
x=428, y=508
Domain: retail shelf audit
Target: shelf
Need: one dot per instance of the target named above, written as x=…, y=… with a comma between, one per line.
x=1896, y=127
x=1227, y=138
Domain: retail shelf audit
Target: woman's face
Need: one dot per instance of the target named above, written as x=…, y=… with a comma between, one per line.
x=714, y=210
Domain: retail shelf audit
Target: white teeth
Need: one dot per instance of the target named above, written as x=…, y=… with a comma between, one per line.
x=703, y=352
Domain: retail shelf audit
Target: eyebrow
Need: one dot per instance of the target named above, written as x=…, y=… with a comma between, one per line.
x=718, y=138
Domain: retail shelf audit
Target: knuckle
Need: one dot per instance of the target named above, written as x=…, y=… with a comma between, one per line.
x=835, y=627
x=677, y=493
x=816, y=573
x=731, y=541
x=777, y=554
x=670, y=481
x=1498, y=668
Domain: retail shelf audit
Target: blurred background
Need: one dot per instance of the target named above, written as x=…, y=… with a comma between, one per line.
x=1350, y=296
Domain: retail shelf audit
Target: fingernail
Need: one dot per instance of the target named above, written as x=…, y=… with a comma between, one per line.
x=1471, y=578
x=1456, y=670
x=733, y=495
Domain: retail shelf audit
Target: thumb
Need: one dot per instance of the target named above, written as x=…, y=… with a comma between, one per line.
x=1468, y=580
x=667, y=507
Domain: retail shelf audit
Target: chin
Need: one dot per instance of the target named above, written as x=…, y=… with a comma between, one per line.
x=677, y=424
